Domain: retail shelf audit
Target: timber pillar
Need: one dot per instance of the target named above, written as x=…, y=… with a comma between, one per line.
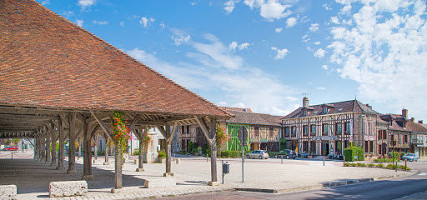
x=214, y=175
x=61, y=147
x=87, y=157
x=48, y=157
x=72, y=147
x=107, y=149
x=53, y=147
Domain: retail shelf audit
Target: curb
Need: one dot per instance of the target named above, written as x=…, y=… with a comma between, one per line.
x=323, y=185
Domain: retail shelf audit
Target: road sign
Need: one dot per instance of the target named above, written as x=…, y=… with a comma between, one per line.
x=243, y=135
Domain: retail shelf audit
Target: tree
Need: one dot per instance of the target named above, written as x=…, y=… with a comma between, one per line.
x=221, y=138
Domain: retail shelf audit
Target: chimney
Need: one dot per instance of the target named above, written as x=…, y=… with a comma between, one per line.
x=369, y=106
x=420, y=121
x=412, y=119
x=305, y=102
x=405, y=113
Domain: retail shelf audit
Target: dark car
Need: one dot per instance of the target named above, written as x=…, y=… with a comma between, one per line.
x=288, y=153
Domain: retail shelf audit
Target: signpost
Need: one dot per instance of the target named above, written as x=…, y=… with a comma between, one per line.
x=243, y=136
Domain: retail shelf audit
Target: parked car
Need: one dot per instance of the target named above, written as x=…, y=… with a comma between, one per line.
x=288, y=153
x=411, y=157
x=261, y=154
x=10, y=149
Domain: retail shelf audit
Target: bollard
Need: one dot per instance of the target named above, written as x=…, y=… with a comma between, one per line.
x=343, y=161
x=323, y=160
x=281, y=158
x=396, y=165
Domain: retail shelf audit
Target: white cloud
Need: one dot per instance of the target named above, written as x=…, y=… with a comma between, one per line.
x=334, y=20
x=229, y=5
x=162, y=25
x=325, y=67
x=317, y=43
x=79, y=22
x=319, y=53
x=216, y=77
x=86, y=3
x=278, y=30
x=384, y=49
x=327, y=7
x=314, y=27
x=291, y=21
x=217, y=53
x=270, y=9
x=280, y=53
x=321, y=88
x=234, y=45
x=179, y=37
x=144, y=21
x=100, y=22
x=122, y=23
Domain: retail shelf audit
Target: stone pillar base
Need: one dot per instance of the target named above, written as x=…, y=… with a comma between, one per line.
x=135, y=162
x=71, y=171
x=139, y=169
x=106, y=163
x=87, y=177
x=52, y=164
x=117, y=190
x=210, y=183
x=168, y=174
x=60, y=168
x=94, y=161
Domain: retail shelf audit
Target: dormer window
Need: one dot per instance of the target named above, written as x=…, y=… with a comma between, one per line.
x=305, y=112
x=325, y=110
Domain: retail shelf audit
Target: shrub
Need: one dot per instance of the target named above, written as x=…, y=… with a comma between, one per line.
x=346, y=164
x=161, y=154
x=135, y=152
x=371, y=165
x=353, y=164
x=380, y=165
x=361, y=164
x=383, y=160
x=352, y=151
x=391, y=166
x=231, y=154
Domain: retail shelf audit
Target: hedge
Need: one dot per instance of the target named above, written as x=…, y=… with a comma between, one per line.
x=352, y=151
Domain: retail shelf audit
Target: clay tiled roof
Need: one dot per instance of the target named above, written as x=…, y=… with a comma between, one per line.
x=333, y=108
x=47, y=61
x=253, y=118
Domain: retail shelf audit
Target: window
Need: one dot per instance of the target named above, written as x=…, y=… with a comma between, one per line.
x=287, y=131
x=380, y=134
x=305, y=112
x=182, y=130
x=188, y=129
x=325, y=110
x=305, y=130
x=371, y=146
x=256, y=131
x=325, y=129
x=294, y=131
x=405, y=139
x=366, y=146
x=347, y=128
x=271, y=132
x=313, y=130
x=338, y=128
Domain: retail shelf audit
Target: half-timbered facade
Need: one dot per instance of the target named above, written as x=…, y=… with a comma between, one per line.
x=263, y=130
x=327, y=129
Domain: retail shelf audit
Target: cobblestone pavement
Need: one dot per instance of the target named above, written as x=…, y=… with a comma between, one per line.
x=191, y=174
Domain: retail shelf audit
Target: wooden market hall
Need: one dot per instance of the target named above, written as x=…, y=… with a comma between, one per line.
x=60, y=82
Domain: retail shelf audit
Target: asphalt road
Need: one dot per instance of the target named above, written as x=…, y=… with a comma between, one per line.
x=384, y=189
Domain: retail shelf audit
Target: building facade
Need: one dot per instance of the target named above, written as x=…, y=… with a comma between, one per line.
x=327, y=129
x=263, y=131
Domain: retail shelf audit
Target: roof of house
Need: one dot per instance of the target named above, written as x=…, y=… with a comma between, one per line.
x=401, y=124
x=253, y=118
x=47, y=61
x=333, y=108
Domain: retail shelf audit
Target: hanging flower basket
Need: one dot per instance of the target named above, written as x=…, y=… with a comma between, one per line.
x=121, y=133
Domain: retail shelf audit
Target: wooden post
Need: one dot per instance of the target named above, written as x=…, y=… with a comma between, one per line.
x=72, y=140
x=118, y=168
x=48, y=157
x=95, y=149
x=168, y=152
x=214, y=176
x=61, y=146
x=53, y=146
x=87, y=153
x=140, y=134
x=107, y=146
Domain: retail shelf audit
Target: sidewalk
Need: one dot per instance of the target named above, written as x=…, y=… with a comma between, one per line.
x=191, y=175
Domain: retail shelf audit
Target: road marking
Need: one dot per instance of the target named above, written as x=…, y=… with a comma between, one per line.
x=422, y=174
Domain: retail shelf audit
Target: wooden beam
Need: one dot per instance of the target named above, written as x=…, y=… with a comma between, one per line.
x=204, y=129
x=102, y=124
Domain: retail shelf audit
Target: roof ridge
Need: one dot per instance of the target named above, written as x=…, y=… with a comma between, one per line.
x=133, y=59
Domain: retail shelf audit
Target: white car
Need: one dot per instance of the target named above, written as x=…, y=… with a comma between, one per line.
x=261, y=154
x=411, y=157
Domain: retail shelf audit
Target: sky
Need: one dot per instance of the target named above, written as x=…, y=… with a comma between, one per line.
x=268, y=54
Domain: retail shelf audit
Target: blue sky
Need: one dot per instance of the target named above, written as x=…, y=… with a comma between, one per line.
x=266, y=54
